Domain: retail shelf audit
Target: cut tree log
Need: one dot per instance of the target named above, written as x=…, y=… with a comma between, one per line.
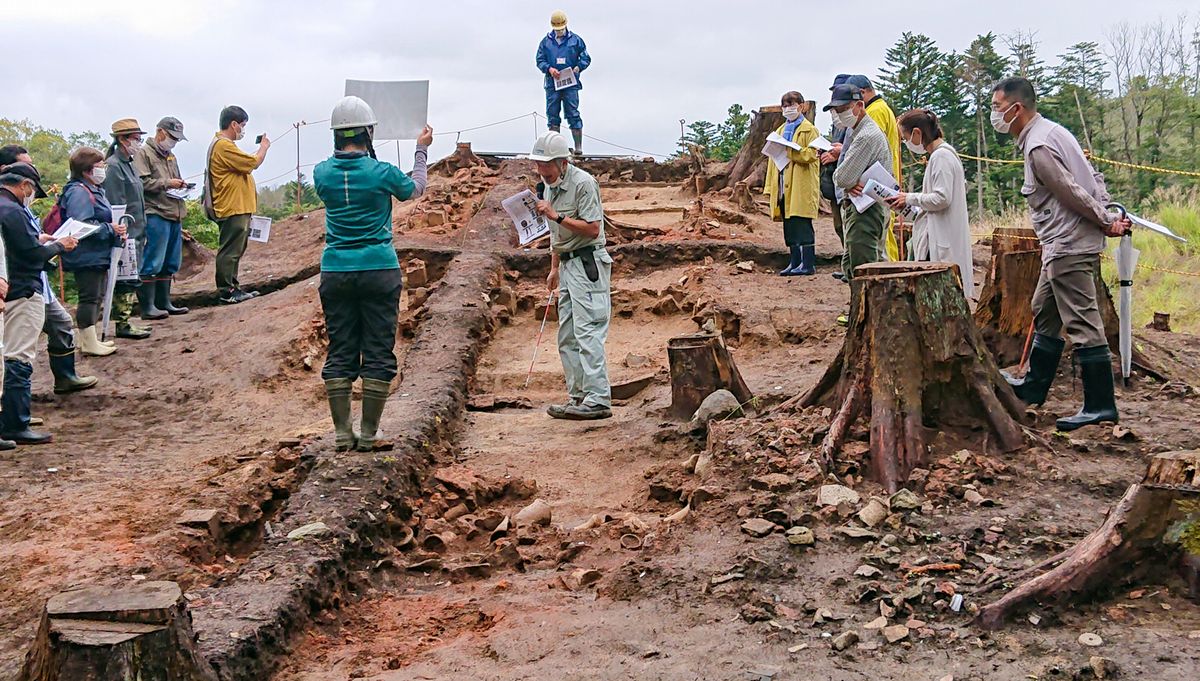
x=912, y=359
x=701, y=365
x=462, y=157
x=143, y=631
x=1141, y=533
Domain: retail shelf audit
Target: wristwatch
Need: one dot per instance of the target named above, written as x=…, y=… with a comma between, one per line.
x=560, y=218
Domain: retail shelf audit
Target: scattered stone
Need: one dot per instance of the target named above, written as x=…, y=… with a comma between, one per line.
x=904, y=500
x=721, y=404
x=745, y=266
x=415, y=274
x=634, y=361
x=700, y=495
x=501, y=530
x=1194, y=635
x=665, y=306
x=548, y=312
x=1091, y=640
x=797, y=648
x=974, y=497
x=537, y=513
x=867, y=571
x=703, y=466
x=758, y=527
x=463, y=573
x=762, y=673
x=844, y=640
x=779, y=517
x=1120, y=432
x=832, y=495
x=873, y=513
x=624, y=390
x=915, y=624
x=207, y=519
x=1102, y=667
x=582, y=578
x=727, y=577
x=771, y=482
x=311, y=530
x=800, y=536
x=956, y=602
x=417, y=297
x=428, y=565
x=895, y=633
x=876, y=624
x=857, y=532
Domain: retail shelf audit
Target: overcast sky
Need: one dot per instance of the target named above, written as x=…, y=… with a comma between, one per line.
x=89, y=63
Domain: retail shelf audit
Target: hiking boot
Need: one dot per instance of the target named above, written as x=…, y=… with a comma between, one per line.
x=374, y=396
x=1043, y=365
x=558, y=410
x=338, y=391
x=586, y=412
x=131, y=332
x=162, y=298
x=65, y=379
x=145, y=296
x=1099, y=402
x=237, y=296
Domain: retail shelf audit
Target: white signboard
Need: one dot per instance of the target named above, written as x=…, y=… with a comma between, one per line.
x=127, y=266
x=402, y=106
x=522, y=208
x=566, y=78
x=260, y=228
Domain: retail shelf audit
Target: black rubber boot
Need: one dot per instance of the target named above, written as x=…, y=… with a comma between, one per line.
x=65, y=378
x=15, y=405
x=375, y=395
x=790, y=270
x=1099, y=402
x=577, y=135
x=162, y=297
x=145, y=296
x=808, y=261
x=1043, y=364
x=338, y=392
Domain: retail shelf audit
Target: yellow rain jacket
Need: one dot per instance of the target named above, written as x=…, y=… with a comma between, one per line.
x=801, y=178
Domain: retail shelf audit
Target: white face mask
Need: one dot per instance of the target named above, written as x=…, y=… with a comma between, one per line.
x=917, y=149
x=98, y=174
x=998, y=122
x=846, y=118
x=241, y=131
x=134, y=145
x=791, y=113
x=28, y=200
x=168, y=143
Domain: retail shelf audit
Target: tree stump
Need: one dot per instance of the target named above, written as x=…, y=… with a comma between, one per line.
x=1004, y=313
x=743, y=199
x=912, y=359
x=1144, y=531
x=142, y=631
x=748, y=165
x=701, y=365
x=462, y=157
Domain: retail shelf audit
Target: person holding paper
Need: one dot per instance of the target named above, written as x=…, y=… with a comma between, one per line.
x=885, y=118
x=361, y=279
x=581, y=272
x=560, y=50
x=26, y=252
x=795, y=193
x=829, y=161
x=158, y=169
x=867, y=146
x=1067, y=200
x=123, y=187
x=942, y=232
x=83, y=199
x=231, y=194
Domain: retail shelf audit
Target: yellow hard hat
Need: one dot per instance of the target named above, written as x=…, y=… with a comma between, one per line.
x=558, y=20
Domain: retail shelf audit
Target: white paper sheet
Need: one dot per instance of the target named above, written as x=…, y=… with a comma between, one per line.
x=821, y=144
x=878, y=173
x=118, y=212
x=522, y=209
x=880, y=193
x=260, y=228
x=181, y=193
x=402, y=106
x=780, y=139
x=75, y=228
x=566, y=78
x=777, y=153
x=127, y=265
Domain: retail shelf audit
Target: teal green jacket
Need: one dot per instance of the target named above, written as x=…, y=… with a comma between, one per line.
x=357, y=191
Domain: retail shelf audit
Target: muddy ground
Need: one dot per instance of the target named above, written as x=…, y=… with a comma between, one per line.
x=215, y=410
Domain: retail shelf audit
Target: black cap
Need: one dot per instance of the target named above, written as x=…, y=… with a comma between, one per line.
x=843, y=95
x=860, y=81
x=839, y=79
x=173, y=127
x=27, y=172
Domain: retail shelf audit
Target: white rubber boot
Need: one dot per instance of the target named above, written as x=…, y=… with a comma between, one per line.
x=91, y=345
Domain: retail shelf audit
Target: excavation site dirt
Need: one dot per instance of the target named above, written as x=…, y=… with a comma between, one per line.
x=487, y=540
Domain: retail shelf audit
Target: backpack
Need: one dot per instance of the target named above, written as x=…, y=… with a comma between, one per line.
x=56, y=217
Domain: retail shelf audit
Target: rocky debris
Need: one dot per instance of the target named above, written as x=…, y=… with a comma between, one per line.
x=873, y=513
x=496, y=402
x=868, y=571
x=310, y=531
x=626, y=389
x=582, y=578
x=856, y=532
x=701, y=495
x=745, y=266
x=771, y=482
x=417, y=297
x=469, y=571
x=537, y=513
x=905, y=500
x=720, y=404
x=758, y=527
x=972, y=496
x=1103, y=668
x=703, y=466
x=844, y=640
x=634, y=361
x=895, y=633
x=415, y=274
x=876, y=624
x=207, y=519
x=1090, y=640
x=832, y=495
x=800, y=536
x=665, y=306
x=546, y=311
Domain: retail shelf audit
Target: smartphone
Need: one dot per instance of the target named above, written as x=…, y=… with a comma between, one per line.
x=258, y=140
x=190, y=185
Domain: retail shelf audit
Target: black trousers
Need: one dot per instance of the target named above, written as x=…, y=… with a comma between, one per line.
x=798, y=232
x=91, y=294
x=360, y=316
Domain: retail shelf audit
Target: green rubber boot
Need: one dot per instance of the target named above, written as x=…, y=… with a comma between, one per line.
x=338, y=391
x=375, y=394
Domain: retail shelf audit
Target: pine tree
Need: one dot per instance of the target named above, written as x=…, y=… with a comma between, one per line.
x=702, y=134
x=731, y=134
x=909, y=79
x=1078, y=81
x=982, y=67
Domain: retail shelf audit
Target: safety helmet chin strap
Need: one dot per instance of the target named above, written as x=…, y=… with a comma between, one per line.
x=371, y=142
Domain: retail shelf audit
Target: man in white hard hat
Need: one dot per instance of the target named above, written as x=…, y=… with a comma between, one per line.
x=360, y=274
x=559, y=51
x=580, y=269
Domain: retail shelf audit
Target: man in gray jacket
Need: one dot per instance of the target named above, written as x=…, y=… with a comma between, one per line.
x=867, y=145
x=1067, y=200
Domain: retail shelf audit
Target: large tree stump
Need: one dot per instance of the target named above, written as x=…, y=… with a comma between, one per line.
x=1141, y=533
x=143, y=631
x=912, y=359
x=1004, y=313
x=463, y=157
x=701, y=365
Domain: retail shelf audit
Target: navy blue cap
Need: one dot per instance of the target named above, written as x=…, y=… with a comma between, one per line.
x=839, y=79
x=860, y=81
x=25, y=171
x=843, y=95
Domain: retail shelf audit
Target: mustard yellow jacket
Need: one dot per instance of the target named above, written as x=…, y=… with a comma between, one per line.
x=801, y=178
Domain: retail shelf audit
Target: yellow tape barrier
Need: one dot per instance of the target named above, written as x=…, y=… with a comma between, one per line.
x=1140, y=266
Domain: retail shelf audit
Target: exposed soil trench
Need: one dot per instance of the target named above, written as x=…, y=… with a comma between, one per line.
x=224, y=410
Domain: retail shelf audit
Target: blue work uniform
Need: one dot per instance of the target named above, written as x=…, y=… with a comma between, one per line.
x=563, y=53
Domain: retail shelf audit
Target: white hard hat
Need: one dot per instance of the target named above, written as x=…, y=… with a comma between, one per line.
x=550, y=147
x=352, y=112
